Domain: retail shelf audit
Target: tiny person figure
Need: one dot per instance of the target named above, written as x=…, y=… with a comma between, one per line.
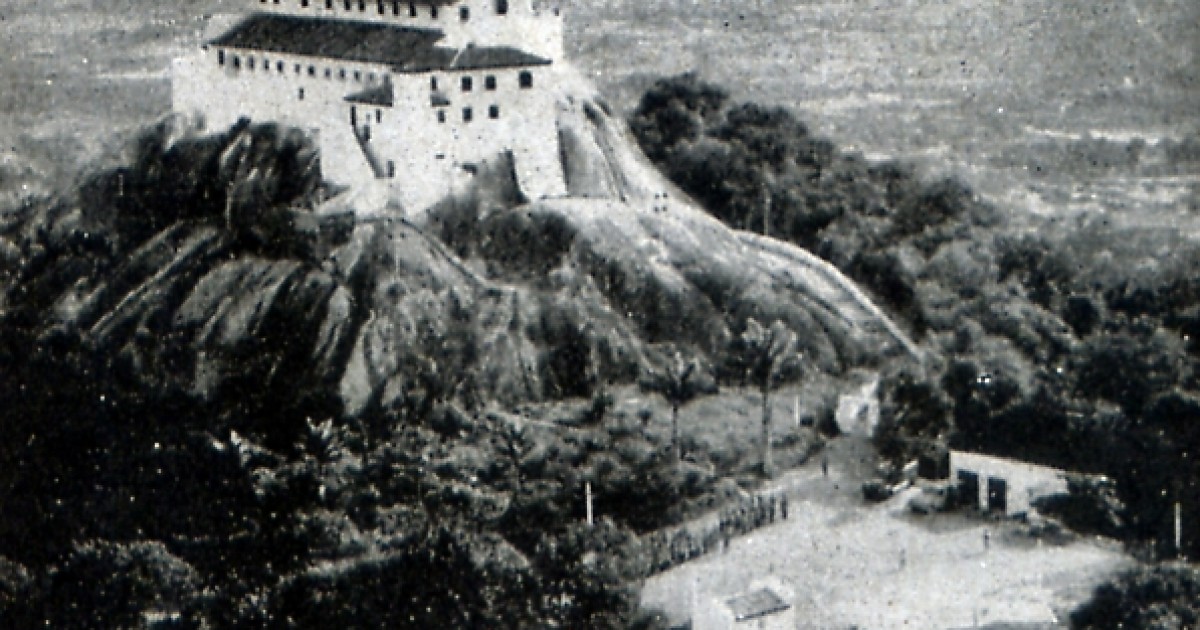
x=987, y=539
x=783, y=506
x=824, y=465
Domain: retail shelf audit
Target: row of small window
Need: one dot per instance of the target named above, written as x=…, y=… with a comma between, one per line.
x=464, y=13
x=468, y=114
x=524, y=81
x=236, y=62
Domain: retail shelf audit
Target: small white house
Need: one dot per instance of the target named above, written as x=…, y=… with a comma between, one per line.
x=766, y=605
x=858, y=411
x=1007, y=486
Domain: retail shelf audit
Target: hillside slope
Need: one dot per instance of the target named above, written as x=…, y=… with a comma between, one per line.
x=213, y=267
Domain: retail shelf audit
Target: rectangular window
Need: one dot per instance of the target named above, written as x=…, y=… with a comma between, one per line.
x=489, y=82
x=328, y=4
x=395, y=7
x=441, y=115
x=220, y=57
x=304, y=3
x=301, y=94
x=379, y=116
x=525, y=79
x=342, y=74
x=347, y=4
x=381, y=10
x=279, y=67
x=466, y=84
x=237, y=62
x=358, y=75
x=433, y=11
x=464, y=13
x=312, y=71
x=297, y=68
x=250, y=62
x=494, y=112
x=362, y=5
x=433, y=83
x=370, y=77
x=328, y=73
x=412, y=9
x=467, y=114
x=391, y=169
x=501, y=7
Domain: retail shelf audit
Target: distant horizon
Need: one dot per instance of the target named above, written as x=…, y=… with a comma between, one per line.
x=941, y=83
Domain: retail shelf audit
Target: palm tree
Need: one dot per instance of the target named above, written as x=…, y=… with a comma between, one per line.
x=768, y=355
x=680, y=381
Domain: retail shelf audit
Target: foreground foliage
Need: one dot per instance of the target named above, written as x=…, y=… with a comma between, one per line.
x=1161, y=596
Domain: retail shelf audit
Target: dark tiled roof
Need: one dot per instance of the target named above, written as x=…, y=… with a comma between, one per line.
x=380, y=95
x=756, y=604
x=496, y=57
x=405, y=49
x=471, y=58
x=337, y=39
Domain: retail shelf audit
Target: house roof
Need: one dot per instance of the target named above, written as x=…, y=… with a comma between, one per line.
x=380, y=95
x=755, y=604
x=405, y=49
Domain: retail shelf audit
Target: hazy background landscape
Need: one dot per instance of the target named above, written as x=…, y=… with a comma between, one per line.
x=1041, y=106
x=314, y=410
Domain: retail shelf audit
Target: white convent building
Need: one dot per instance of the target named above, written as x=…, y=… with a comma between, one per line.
x=408, y=98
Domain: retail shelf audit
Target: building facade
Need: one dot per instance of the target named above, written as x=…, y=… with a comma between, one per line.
x=406, y=97
x=1001, y=485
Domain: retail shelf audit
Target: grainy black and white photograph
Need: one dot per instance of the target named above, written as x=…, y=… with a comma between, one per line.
x=600, y=314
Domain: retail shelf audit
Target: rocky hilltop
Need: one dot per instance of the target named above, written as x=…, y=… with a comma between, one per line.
x=239, y=394
x=220, y=268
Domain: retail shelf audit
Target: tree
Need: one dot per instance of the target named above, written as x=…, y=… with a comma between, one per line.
x=767, y=356
x=680, y=381
x=914, y=411
x=1132, y=362
x=674, y=110
x=1163, y=596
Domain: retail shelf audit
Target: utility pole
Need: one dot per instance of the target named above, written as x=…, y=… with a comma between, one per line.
x=766, y=208
x=587, y=493
x=1178, y=531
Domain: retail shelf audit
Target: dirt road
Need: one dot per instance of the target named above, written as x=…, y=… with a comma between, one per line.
x=853, y=564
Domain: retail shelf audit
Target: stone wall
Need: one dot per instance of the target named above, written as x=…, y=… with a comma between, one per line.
x=426, y=147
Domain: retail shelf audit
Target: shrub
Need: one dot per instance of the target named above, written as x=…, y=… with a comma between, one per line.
x=1161, y=596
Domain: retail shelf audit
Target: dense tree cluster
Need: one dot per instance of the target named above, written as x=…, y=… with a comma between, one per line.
x=128, y=508
x=134, y=500
x=1070, y=344
x=1165, y=596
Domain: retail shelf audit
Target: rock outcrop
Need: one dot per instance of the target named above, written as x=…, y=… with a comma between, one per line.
x=217, y=269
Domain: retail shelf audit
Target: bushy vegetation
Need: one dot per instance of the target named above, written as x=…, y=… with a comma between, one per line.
x=1161, y=596
x=128, y=506
x=1064, y=343
x=137, y=496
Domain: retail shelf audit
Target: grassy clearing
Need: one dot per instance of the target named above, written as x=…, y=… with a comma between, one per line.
x=875, y=566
